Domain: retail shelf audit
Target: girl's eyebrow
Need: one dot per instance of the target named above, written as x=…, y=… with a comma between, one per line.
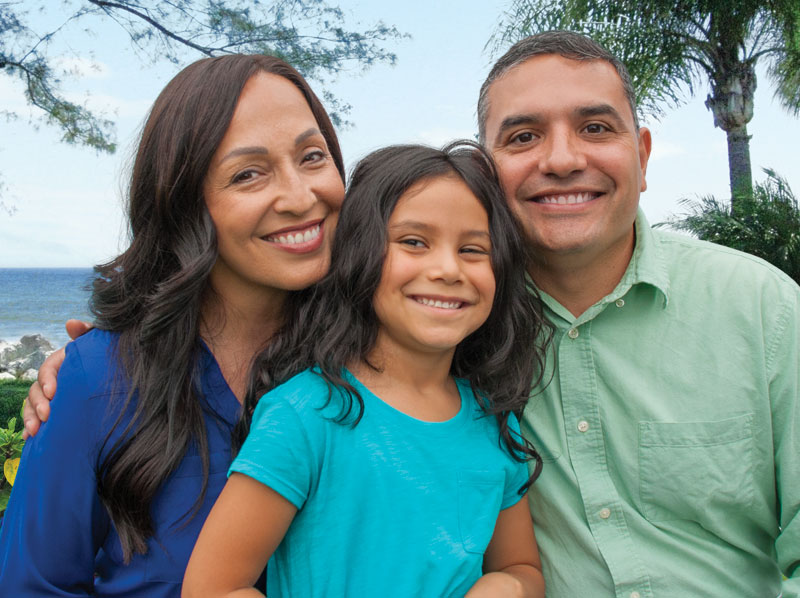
x=415, y=225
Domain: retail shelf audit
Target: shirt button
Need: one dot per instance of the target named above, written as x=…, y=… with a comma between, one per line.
x=636, y=595
x=620, y=303
x=605, y=514
x=573, y=333
x=583, y=426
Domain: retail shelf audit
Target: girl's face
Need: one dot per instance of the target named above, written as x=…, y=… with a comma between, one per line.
x=273, y=192
x=437, y=284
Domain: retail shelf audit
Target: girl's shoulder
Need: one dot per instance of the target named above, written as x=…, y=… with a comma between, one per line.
x=305, y=391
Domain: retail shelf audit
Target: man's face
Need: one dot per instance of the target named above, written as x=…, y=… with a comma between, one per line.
x=570, y=160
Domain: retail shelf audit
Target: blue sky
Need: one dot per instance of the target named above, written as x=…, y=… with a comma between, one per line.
x=68, y=199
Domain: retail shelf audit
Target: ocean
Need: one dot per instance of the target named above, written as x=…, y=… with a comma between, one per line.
x=40, y=300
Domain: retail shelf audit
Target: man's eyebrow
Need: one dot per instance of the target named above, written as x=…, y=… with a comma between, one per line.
x=515, y=120
x=599, y=110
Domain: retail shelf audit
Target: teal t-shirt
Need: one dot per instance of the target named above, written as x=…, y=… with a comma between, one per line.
x=393, y=506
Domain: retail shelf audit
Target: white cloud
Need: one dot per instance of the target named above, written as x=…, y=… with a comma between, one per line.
x=665, y=149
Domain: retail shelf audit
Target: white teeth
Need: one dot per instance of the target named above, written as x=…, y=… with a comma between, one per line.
x=295, y=238
x=572, y=198
x=437, y=303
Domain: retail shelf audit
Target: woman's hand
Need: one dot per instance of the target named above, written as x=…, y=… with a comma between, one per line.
x=41, y=392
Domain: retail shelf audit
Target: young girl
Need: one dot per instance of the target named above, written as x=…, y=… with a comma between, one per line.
x=392, y=463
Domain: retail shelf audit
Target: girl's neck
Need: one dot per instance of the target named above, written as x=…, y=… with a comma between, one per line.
x=236, y=330
x=418, y=385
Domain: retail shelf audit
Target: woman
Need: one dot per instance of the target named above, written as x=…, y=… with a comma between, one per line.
x=233, y=198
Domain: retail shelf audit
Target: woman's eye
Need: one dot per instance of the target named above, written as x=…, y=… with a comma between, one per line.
x=244, y=176
x=314, y=156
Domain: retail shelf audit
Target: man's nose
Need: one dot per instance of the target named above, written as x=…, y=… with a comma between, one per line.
x=562, y=154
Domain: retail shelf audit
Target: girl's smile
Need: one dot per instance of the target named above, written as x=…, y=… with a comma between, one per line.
x=437, y=284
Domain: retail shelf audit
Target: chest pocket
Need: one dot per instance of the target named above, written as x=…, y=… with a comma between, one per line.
x=175, y=532
x=700, y=471
x=480, y=494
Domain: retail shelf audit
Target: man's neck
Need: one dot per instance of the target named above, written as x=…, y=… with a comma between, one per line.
x=576, y=282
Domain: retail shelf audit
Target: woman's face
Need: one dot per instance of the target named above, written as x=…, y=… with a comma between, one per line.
x=273, y=192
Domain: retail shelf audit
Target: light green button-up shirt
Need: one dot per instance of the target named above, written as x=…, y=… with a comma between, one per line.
x=670, y=431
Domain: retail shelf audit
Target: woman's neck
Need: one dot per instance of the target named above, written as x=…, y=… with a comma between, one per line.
x=236, y=329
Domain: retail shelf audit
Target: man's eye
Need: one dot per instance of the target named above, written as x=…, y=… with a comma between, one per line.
x=596, y=128
x=525, y=137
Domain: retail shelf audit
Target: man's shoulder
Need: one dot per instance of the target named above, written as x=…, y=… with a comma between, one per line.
x=705, y=263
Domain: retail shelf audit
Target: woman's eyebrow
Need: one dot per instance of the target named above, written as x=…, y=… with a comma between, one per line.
x=306, y=134
x=249, y=150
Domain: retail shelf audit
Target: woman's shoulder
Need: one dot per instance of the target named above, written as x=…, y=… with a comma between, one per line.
x=90, y=366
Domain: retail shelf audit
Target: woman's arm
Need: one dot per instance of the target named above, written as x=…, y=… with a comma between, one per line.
x=511, y=564
x=244, y=528
x=37, y=403
x=55, y=523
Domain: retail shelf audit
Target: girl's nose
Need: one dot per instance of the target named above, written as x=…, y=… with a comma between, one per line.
x=445, y=266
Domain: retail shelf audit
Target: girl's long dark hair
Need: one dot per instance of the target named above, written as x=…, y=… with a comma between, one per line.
x=152, y=294
x=334, y=323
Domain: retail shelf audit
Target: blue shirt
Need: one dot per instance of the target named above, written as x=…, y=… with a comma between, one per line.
x=57, y=539
x=394, y=506
x=670, y=431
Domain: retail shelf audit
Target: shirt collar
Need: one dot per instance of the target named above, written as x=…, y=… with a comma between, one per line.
x=647, y=266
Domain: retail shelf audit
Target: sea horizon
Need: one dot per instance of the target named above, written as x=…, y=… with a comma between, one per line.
x=40, y=300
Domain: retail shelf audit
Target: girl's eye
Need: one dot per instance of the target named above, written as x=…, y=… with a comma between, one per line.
x=412, y=242
x=475, y=250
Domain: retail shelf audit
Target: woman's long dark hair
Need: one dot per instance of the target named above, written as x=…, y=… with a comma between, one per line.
x=334, y=323
x=152, y=294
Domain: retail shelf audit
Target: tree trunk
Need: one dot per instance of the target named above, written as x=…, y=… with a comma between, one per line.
x=741, y=173
x=731, y=102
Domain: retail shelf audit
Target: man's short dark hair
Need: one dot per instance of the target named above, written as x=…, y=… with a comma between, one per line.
x=568, y=44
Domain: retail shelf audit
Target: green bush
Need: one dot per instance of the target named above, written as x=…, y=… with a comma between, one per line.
x=766, y=225
x=12, y=393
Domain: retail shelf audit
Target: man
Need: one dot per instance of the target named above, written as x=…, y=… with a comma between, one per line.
x=670, y=426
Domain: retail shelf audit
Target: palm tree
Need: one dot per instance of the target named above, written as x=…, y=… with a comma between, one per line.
x=766, y=225
x=671, y=46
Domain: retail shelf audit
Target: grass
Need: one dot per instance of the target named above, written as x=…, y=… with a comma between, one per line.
x=12, y=393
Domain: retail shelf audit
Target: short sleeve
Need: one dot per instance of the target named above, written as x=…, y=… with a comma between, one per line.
x=279, y=450
x=516, y=471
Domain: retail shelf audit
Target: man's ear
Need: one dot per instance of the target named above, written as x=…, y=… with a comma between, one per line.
x=645, y=145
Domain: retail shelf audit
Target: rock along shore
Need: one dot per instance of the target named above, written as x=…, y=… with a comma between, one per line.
x=23, y=359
